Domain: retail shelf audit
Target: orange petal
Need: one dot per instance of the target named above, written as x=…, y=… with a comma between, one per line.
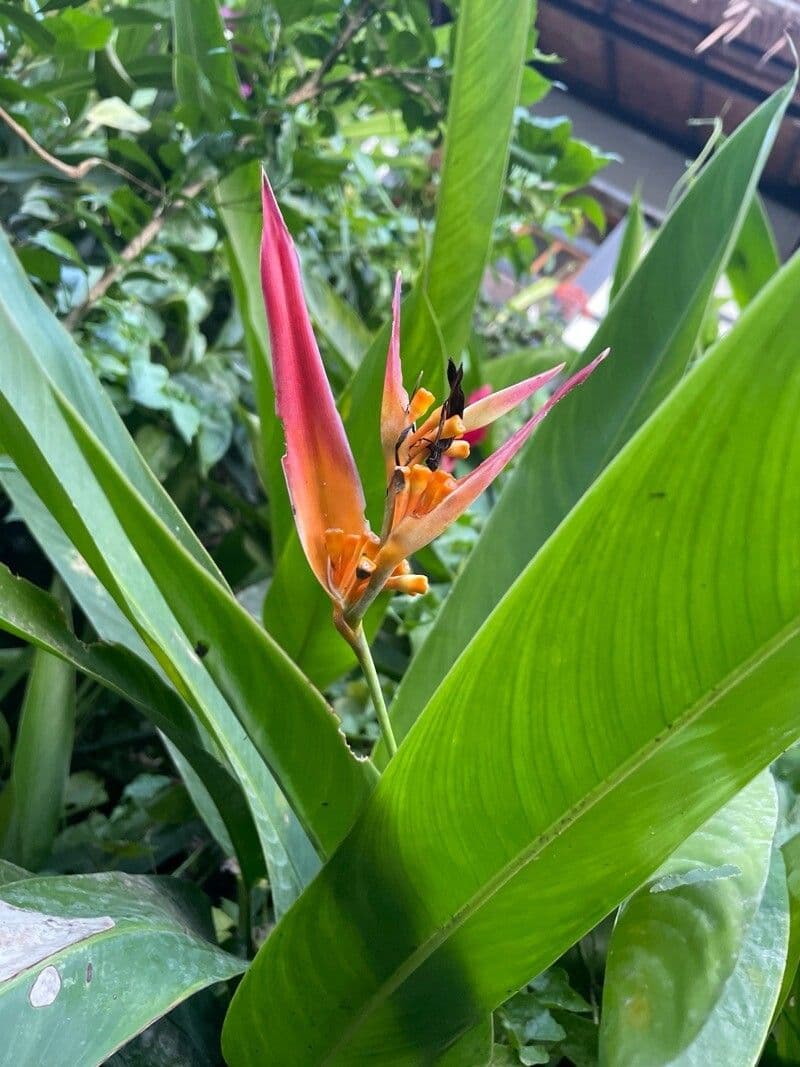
x=395, y=399
x=320, y=472
x=491, y=407
x=411, y=534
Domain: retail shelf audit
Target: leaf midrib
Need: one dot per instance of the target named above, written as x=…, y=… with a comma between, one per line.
x=637, y=760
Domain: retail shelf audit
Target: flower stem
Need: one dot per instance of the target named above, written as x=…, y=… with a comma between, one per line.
x=361, y=647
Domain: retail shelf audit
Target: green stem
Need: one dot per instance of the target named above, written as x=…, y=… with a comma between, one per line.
x=361, y=647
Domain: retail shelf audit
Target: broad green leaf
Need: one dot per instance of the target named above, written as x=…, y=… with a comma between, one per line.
x=672, y=953
x=204, y=71
x=474, y=1049
x=245, y=686
x=90, y=960
x=80, y=30
x=437, y=317
x=754, y=258
x=632, y=245
x=639, y=673
x=650, y=352
x=29, y=613
x=32, y=801
x=737, y=1028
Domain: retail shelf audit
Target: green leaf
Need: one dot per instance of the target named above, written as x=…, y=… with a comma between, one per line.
x=534, y=88
x=59, y=245
x=335, y=319
x=736, y=1029
x=9, y=872
x=578, y=164
x=754, y=258
x=23, y=316
x=116, y=114
x=650, y=353
x=672, y=953
x=790, y=1004
x=514, y=366
x=639, y=673
x=204, y=72
x=34, y=29
x=113, y=948
x=82, y=30
x=32, y=801
x=276, y=835
x=29, y=613
x=632, y=245
x=437, y=317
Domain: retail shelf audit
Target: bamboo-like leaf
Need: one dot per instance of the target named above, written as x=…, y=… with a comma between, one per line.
x=650, y=352
x=754, y=259
x=644, y=667
x=673, y=952
x=632, y=245
x=33, y=615
x=32, y=801
x=88, y=961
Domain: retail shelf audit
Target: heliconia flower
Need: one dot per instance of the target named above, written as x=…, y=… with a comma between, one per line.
x=472, y=437
x=475, y=437
x=352, y=563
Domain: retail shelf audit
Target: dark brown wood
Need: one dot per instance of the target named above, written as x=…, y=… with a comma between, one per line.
x=638, y=59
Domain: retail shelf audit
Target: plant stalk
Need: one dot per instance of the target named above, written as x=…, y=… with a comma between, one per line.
x=361, y=648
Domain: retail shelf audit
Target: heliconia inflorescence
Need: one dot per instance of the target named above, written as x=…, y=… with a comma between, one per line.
x=423, y=497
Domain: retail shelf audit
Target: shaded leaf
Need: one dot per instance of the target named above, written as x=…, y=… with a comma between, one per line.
x=95, y=946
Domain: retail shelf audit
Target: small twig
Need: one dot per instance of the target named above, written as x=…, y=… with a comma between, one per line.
x=403, y=76
x=312, y=86
x=129, y=253
x=77, y=172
